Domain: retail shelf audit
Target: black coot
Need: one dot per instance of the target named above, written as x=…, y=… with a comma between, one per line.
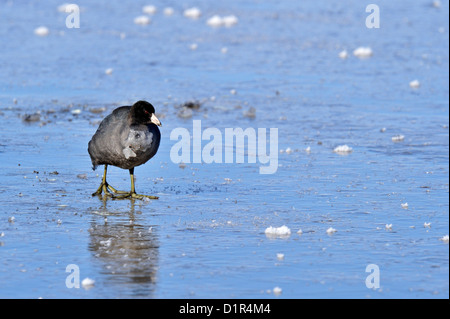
x=126, y=138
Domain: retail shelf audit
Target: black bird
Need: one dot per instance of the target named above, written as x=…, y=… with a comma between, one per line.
x=126, y=138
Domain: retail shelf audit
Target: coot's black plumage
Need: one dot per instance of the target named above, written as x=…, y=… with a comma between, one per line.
x=126, y=138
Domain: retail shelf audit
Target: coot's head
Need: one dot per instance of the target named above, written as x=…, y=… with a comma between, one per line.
x=143, y=112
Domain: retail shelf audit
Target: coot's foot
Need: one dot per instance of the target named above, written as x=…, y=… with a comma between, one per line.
x=108, y=190
x=126, y=195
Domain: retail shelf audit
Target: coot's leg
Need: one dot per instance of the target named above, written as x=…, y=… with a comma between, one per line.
x=132, y=193
x=105, y=187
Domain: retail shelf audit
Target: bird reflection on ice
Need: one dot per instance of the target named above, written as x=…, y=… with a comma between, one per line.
x=127, y=250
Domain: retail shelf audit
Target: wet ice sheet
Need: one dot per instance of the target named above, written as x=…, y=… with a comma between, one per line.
x=205, y=237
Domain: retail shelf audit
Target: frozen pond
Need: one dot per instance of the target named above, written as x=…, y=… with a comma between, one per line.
x=384, y=203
